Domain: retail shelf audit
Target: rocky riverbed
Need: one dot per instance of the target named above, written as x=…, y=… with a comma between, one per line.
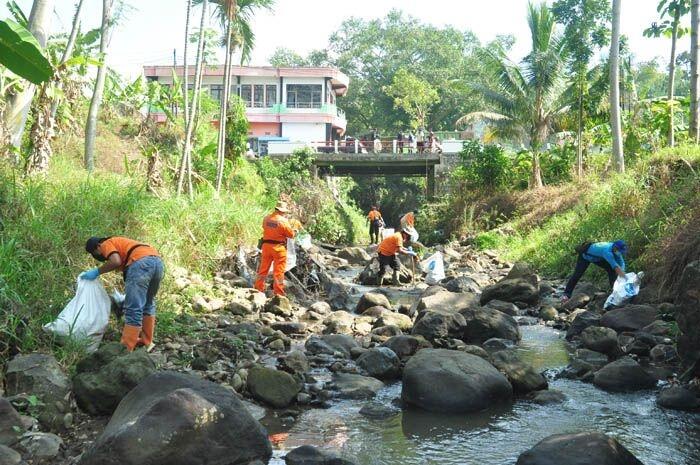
x=487, y=367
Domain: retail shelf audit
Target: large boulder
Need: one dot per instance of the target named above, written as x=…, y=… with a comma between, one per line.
x=435, y=325
x=588, y=448
x=351, y=386
x=355, y=255
x=484, y=323
x=339, y=322
x=442, y=300
x=309, y=455
x=462, y=284
x=508, y=308
x=176, y=419
x=40, y=375
x=623, y=375
x=523, y=377
x=337, y=295
x=381, y=363
x=688, y=314
x=372, y=299
x=99, y=392
x=512, y=290
x=275, y=388
x=599, y=339
x=405, y=346
x=585, y=361
x=629, y=318
x=399, y=320
x=9, y=456
x=11, y=426
x=678, y=398
x=582, y=321
x=440, y=380
x=331, y=344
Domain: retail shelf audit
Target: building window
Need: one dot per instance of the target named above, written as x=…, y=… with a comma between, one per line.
x=270, y=95
x=216, y=91
x=258, y=95
x=247, y=95
x=304, y=95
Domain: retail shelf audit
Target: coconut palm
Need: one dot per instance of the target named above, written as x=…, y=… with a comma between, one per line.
x=615, y=123
x=694, y=128
x=526, y=100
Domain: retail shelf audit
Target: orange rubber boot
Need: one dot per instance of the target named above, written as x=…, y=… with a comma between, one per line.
x=147, y=331
x=130, y=336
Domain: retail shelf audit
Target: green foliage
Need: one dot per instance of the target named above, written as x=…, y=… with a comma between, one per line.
x=212, y=41
x=413, y=95
x=236, y=129
x=486, y=240
x=484, y=166
x=282, y=176
x=22, y=54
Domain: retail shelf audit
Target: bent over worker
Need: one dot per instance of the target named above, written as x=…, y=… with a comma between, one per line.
x=143, y=271
x=276, y=231
x=375, y=222
x=388, y=252
x=607, y=255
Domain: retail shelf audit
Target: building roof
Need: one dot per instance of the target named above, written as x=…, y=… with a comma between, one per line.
x=339, y=80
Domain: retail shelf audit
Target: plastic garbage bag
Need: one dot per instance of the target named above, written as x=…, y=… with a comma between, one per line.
x=434, y=268
x=291, y=256
x=624, y=289
x=386, y=232
x=304, y=241
x=85, y=317
x=242, y=264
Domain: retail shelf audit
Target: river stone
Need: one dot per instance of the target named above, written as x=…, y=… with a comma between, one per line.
x=295, y=362
x=385, y=332
x=354, y=255
x=351, y=386
x=522, y=376
x=576, y=301
x=623, y=375
x=389, y=318
x=462, y=284
x=548, y=313
x=582, y=321
x=309, y=455
x=495, y=344
x=658, y=328
x=485, y=323
x=99, y=392
x=434, y=325
x=506, y=307
x=585, y=361
x=41, y=446
x=369, y=275
x=337, y=295
x=599, y=339
x=339, y=322
x=378, y=411
x=405, y=346
x=678, y=398
x=442, y=300
x=11, y=426
x=322, y=308
x=629, y=318
x=663, y=353
x=587, y=448
x=688, y=314
x=330, y=344
x=381, y=363
x=475, y=350
x=210, y=425
x=375, y=312
x=511, y=290
x=440, y=380
x=547, y=397
x=273, y=387
x=280, y=306
x=40, y=375
x=372, y=299
x=9, y=456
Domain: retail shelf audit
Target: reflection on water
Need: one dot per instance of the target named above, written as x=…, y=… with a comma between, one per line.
x=497, y=437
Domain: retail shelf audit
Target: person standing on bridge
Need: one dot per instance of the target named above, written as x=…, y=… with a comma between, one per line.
x=276, y=231
x=388, y=255
x=375, y=220
x=377, y=144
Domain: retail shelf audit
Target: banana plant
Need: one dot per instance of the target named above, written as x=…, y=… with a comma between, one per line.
x=21, y=53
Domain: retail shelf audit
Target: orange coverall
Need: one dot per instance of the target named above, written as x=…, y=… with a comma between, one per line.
x=276, y=231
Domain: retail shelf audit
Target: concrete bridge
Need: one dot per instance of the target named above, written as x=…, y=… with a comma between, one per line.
x=427, y=165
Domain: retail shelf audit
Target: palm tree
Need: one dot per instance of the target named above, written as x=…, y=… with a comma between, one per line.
x=694, y=56
x=526, y=100
x=615, y=122
x=235, y=17
x=68, y=51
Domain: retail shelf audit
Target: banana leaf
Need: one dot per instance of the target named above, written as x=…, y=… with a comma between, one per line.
x=22, y=54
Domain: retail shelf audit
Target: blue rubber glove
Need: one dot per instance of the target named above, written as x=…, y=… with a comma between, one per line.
x=90, y=275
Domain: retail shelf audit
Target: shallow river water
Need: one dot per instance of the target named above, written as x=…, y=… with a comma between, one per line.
x=497, y=437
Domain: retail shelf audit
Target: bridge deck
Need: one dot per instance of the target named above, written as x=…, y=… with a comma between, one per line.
x=376, y=164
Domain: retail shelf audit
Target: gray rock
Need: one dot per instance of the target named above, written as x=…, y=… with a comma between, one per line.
x=330, y=344
x=522, y=376
x=629, y=318
x=351, y=386
x=585, y=360
x=688, y=314
x=484, y=323
x=389, y=318
x=599, y=339
x=511, y=290
x=588, y=448
x=548, y=313
x=387, y=331
x=547, y=397
x=381, y=363
x=582, y=321
x=372, y=299
x=337, y=295
x=438, y=299
x=309, y=455
x=41, y=445
x=585, y=288
x=11, y=425
x=275, y=388
x=9, y=456
x=378, y=411
x=475, y=350
x=295, y=362
x=495, y=344
x=440, y=380
x=354, y=255
x=211, y=425
x=434, y=325
x=280, y=306
x=623, y=375
x=678, y=398
x=99, y=392
x=506, y=307
x=522, y=270
x=339, y=322
x=405, y=346
x=240, y=307
x=462, y=284
x=663, y=353
x=369, y=275
x=576, y=301
x=322, y=308
x=289, y=327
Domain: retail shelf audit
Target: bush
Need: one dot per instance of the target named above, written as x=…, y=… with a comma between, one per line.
x=485, y=166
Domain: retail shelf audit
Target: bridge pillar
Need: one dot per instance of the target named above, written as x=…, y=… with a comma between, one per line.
x=430, y=182
x=314, y=171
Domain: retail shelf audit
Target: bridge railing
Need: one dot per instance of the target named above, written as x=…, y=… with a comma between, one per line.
x=377, y=146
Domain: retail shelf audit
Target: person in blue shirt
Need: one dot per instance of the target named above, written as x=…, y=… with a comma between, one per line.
x=607, y=255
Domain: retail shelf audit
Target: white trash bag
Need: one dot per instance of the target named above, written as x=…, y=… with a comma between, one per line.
x=85, y=317
x=624, y=289
x=291, y=257
x=304, y=241
x=434, y=267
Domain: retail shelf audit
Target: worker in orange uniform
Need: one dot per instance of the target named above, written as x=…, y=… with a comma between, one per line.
x=143, y=271
x=375, y=222
x=276, y=231
x=388, y=253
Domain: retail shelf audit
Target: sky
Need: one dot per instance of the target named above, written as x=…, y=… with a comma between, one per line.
x=153, y=28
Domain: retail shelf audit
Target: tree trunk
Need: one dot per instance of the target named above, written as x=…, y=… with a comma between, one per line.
x=579, y=130
x=672, y=77
x=221, y=148
x=615, y=122
x=68, y=52
x=694, y=89
x=185, y=97
x=536, y=180
x=187, y=150
x=41, y=134
x=96, y=101
x=18, y=104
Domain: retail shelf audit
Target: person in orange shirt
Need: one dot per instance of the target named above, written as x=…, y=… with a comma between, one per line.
x=276, y=231
x=143, y=271
x=388, y=253
x=375, y=222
